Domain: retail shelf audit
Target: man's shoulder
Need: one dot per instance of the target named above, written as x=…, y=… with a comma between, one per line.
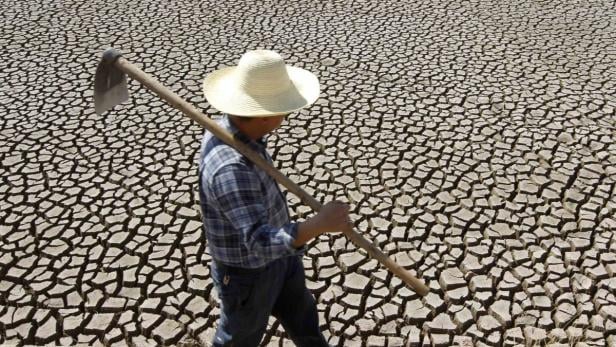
x=215, y=154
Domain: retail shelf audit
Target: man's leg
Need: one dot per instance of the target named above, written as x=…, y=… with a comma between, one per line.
x=244, y=310
x=296, y=308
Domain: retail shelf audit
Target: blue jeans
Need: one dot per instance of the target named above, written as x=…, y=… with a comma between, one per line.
x=248, y=297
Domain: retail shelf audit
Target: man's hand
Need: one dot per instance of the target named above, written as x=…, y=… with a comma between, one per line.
x=333, y=217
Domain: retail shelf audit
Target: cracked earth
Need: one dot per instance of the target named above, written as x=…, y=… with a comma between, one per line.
x=474, y=140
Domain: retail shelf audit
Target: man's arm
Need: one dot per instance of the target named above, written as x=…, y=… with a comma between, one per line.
x=238, y=192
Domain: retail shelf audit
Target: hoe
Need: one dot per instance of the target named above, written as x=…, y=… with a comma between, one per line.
x=110, y=89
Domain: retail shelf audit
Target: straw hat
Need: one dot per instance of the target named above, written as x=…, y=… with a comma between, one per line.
x=260, y=85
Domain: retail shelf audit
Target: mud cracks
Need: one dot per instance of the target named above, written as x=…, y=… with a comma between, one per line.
x=475, y=141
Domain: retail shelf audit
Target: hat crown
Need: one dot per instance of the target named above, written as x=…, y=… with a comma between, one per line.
x=262, y=72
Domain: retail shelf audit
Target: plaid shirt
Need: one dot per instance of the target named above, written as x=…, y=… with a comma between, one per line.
x=245, y=216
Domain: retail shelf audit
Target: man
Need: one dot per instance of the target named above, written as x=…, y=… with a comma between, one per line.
x=256, y=249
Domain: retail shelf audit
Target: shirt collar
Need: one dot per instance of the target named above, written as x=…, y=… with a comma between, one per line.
x=258, y=144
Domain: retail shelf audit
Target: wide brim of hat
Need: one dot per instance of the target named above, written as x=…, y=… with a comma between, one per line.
x=224, y=94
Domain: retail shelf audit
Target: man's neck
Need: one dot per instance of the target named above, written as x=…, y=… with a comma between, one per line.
x=247, y=128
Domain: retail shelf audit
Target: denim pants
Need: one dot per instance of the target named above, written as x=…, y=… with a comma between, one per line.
x=248, y=297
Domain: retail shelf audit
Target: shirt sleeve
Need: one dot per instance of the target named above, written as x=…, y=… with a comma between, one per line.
x=239, y=194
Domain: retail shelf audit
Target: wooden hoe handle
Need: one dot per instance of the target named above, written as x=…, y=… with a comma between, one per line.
x=198, y=116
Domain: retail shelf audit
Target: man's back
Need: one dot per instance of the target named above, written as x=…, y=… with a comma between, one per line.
x=236, y=196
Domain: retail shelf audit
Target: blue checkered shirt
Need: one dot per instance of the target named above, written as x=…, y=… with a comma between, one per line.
x=245, y=216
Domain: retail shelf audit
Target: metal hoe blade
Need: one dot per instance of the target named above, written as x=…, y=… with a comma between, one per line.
x=110, y=88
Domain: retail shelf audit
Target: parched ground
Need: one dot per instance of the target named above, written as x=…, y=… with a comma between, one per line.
x=474, y=139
